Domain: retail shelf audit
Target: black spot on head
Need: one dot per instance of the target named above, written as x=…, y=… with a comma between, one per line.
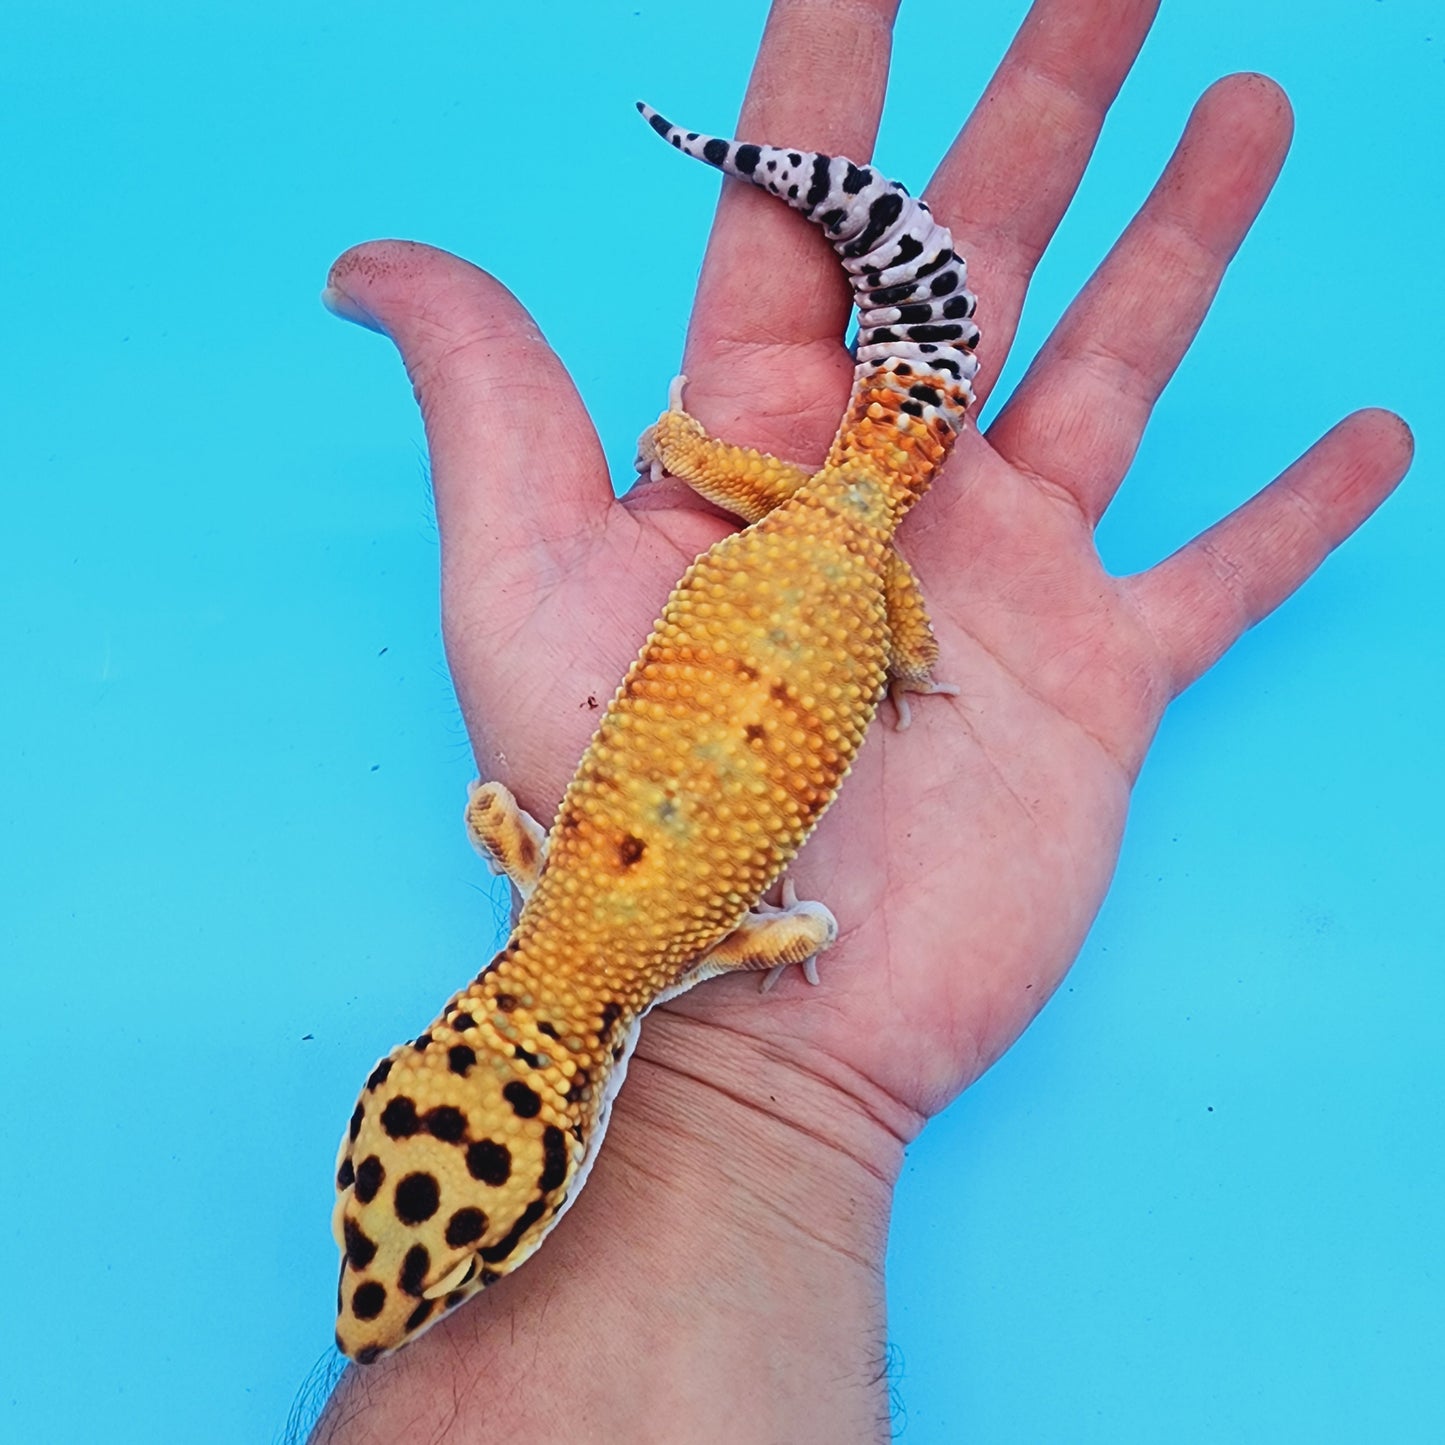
x=913, y=408
x=368, y=1301
x=369, y=1176
x=399, y=1118
x=530, y=1059
x=554, y=1159
x=370, y=1355
x=447, y=1123
x=715, y=151
x=506, y=1002
x=747, y=158
x=460, y=1058
x=413, y=1269
x=357, y=1115
x=417, y=1198
x=378, y=1074
x=463, y=1021
x=489, y=1162
x=360, y=1250
x=546, y=1028
x=611, y=1012
x=755, y=732
x=525, y=1220
x=423, y=1043
x=346, y=1175
x=526, y=1102
x=903, y=369
x=466, y=1226
x=419, y=1315
x=778, y=692
x=630, y=849
x=925, y=394
x=857, y=179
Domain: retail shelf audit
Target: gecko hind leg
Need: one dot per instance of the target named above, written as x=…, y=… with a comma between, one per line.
x=506, y=835
x=749, y=484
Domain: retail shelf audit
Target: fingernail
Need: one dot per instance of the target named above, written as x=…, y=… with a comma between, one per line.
x=340, y=303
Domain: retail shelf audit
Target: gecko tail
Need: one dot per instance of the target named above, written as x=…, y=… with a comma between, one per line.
x=909, y=283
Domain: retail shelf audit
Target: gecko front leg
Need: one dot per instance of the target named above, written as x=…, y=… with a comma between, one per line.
x=506, y=835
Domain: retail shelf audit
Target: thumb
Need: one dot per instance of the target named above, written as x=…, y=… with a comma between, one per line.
x=514, y=456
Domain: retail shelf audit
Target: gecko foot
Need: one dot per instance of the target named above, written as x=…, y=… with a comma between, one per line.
x=899, y=691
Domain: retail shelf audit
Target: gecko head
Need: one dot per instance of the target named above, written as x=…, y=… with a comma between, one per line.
x=451, y=1174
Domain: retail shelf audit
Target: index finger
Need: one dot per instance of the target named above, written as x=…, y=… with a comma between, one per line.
x=772, y=302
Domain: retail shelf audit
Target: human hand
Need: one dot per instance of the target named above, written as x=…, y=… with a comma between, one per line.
x=965, y=858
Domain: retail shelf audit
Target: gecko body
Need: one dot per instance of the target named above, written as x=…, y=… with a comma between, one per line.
x=726, y=741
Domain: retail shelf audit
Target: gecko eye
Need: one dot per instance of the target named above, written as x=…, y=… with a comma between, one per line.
x=454, y=1280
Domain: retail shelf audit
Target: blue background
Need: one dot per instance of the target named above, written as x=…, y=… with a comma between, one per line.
x=1201, y=1200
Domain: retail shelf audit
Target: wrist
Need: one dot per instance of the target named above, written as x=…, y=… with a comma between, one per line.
x=721, y=1276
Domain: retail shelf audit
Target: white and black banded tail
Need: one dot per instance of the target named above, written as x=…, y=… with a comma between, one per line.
x=915, y=312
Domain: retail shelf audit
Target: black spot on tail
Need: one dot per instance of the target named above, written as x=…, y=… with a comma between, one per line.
x=818, y=191
x=660, y=124
x=715, y=151
x=747, y=159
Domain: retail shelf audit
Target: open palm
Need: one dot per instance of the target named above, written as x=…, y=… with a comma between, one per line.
x=966, y=857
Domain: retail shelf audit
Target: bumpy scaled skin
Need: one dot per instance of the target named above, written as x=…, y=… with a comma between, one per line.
x=728, y=738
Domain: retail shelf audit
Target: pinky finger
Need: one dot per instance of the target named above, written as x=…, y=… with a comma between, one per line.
x=1199, y=601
